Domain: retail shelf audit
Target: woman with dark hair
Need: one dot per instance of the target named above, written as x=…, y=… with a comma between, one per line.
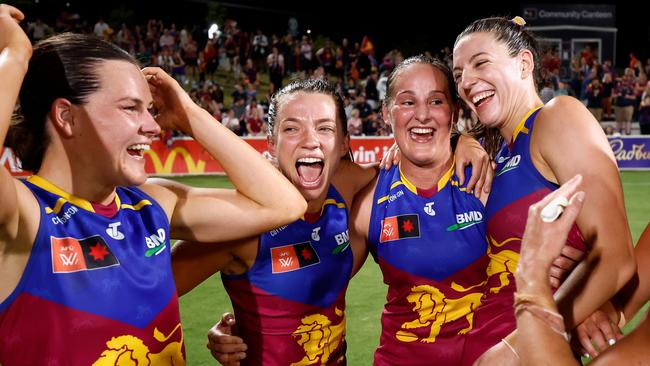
x=288, y=285
x=422, y=225
x=496, y=68
x=84, y=242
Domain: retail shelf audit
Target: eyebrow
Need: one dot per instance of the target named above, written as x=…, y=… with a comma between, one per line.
x=436, y=91
x=298, y=119
x=472, y=58
x=135, y=100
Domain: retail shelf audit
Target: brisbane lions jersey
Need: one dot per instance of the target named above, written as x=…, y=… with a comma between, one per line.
x=430, y=247
x=517, y=184
x=95, y=290
x=289, y=305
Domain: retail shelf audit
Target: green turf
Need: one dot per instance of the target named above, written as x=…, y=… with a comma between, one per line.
x=203, y=306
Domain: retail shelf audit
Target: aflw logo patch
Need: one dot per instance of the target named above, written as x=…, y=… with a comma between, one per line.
x=73, y=255
x=400, y=227
x=292, y=257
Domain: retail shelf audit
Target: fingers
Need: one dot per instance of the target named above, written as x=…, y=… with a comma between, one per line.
x=460, y=173
x=391, y=158
x=489, y=177
x=228, y=359
x=224, y=347
x=585, y=341
x=597, y=333
x=228, y=319
x=573, y=255
x=12, y=11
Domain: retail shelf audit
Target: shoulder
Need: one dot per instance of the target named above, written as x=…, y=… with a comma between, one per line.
x=165, y=192
x=565, y=116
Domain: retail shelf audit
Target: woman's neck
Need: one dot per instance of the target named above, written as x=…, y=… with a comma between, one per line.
x=521, y=106
x=426, y=176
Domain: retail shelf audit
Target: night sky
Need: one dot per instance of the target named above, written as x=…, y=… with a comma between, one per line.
x=412, y=26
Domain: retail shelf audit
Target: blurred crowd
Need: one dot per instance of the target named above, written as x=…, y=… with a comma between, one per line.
x=233, y=72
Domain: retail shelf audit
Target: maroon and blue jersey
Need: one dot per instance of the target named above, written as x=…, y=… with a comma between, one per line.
x=431, y=252
x=95, y=290
x=517, y=185
x=290, y=304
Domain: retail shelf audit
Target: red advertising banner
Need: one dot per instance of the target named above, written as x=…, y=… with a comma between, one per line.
x=186, y=157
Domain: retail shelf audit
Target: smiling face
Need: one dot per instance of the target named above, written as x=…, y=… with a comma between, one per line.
x=487, y=77
x=308, y=141
x=421, y=112
x=114, y=128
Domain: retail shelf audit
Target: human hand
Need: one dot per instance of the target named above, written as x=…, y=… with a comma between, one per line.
x=170, y=99
x=12, y=35
x=392, y=157
x=225, y=347
x=564, y=264
x=598, y=332
x=470, y=152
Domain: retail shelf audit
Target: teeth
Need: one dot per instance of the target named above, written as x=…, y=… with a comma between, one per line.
x=422, y=130
x=310, y=160
x=482, y=95
x=143, y=147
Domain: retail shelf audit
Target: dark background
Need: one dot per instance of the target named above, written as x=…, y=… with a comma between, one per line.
x=411, y=26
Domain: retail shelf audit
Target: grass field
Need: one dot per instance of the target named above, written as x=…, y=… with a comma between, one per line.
x=202, y=307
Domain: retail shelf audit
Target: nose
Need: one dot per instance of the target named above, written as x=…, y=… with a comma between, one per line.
x=310, y=138
x=149, y=125
x=422, y=112
x=467, y=80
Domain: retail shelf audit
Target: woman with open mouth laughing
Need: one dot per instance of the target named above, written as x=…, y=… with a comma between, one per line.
x=497, y=70
x=84, y=243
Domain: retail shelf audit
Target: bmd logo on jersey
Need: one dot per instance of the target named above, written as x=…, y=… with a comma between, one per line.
x=74, y=255
x=400, y=227
x=342, y=242
x=155, y=243
x=512, y=164
x=465, y=220
x=289, y=258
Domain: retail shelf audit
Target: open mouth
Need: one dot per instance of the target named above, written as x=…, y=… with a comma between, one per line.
x=421, y=134
x=138, y=150
x=482, y=97
x=309, y=170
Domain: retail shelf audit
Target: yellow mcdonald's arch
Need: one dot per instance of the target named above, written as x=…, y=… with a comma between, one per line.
x=159, y=168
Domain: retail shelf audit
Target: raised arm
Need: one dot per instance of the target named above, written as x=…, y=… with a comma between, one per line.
x=263, y=199
x=575, y=144
x=15, y=51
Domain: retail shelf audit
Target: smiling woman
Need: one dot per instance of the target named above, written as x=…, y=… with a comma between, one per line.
x=84, y=243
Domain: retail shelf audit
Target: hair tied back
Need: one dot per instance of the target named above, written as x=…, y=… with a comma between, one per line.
x=519, y=21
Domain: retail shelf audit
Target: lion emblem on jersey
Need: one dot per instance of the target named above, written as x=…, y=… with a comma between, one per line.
x=319, y=338
x=503, y=264
x=434, y=309
x=130, y=350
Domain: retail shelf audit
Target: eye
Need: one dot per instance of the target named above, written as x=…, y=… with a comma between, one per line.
x=480, y=63
x=407, y=102
x=153, y=111
x=436, y=101
x=457, y=77
x=327, y=129
x=130, y=108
